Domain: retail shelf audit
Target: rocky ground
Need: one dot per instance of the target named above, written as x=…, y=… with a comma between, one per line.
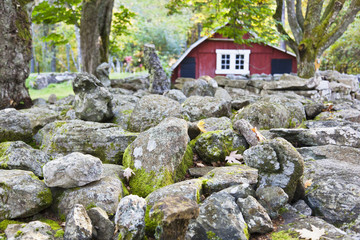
x=224, y=158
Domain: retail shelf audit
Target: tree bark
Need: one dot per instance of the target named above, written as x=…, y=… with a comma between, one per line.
x=94, y=33
x=15, y=53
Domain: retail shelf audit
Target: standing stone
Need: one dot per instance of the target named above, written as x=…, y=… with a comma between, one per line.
x=92, y=99
x=15, y=53
x=102, y=73
x=78, y=224
x=129, y=218
x=159, y=82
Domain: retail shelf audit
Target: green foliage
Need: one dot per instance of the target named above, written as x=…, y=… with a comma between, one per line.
x=236, y=18
x=121, y=21
x=5, y=223
x=344, y=54
x=67, y=11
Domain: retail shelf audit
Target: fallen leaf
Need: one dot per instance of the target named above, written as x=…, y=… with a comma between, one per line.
x=233, y=157
x=308, y=183
x=201, y=126
x=128, y=172
x=315, y=234
x=199, y=165
x=259, y=136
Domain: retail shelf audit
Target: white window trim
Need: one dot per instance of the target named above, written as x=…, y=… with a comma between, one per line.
x=232, y=53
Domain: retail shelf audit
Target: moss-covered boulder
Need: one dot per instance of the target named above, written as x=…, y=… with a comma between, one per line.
x=215, y=146
x=19, y=155
x=103, y=140
x=196, y=108
x=279, y=164
x=159, y=156
x=151, y=110
x=40, y=116
x=14, y=126
x=105, y=194
x=274, y=111
x=123, y=105
x=22, y=194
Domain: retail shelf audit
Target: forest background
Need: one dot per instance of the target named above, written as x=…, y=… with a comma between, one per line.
x=170, y=29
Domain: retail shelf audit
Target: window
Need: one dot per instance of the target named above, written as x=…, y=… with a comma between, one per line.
x=230, y=61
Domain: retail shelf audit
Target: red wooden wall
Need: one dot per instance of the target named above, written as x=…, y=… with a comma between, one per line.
x=260, y=57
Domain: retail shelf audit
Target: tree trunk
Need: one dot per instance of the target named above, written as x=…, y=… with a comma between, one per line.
x=15, y=53
x=94, y=33
x=306, y=59
x=53, y=58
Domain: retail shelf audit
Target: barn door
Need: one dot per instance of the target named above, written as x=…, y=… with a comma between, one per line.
x=187, y=68
x=280, y=66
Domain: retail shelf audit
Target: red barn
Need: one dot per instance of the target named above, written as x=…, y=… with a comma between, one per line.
x=217, y=55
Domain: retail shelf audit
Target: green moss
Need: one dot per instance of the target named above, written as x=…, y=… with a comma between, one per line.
x=246, y=231
x=59, y=234
x=91, y=205
x=150, y=224
x=45, y=197
x=186, y=162
x=212, y=236
x=54, y=225
x=5, y=223
x=18, y=234
x=125, y=191
x=285, y=235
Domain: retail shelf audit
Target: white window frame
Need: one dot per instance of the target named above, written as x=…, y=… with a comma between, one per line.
x=232, y=53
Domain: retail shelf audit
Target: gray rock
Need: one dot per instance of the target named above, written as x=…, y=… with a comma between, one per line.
x=209, y=124
x=105, y=194
x=240, y=191
x=299, y=224
x=176, y=95
x=191, y=189
x=215, y=146
x=52, y=99
x=44, y=79
x=302, y=208
x=313, y=109
x=132, y=83
x=130, y=218
x=197, y=172
x=245, y=129
x=333, y=196
x=291, y=82
x=350, y=114
x=39, y=102
x=22, y=194
x=40, y=116
x=255, y=215
x=341, y=153
x=222, y=94
x=196, y=108
x=103, y=140
x=14, y=126
x=172, y=216
x=151, y=110
x=113, y=170
x=205, y=86
x=92, y=99
x=102, y=73
x=342, y=136
x=123, y=106
x=158, y=156
x=224, y=177
x=103, y=228
x=73, y=170
x=32, y=230
x=78, y=224
x=19, y=155
x=219, y=217
x=279, y=164
x=273, y=199
x=159, y=82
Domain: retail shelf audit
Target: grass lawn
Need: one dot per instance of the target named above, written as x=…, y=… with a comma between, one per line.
x=64, y=89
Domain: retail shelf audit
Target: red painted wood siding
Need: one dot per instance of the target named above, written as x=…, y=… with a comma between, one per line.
x=260, y=57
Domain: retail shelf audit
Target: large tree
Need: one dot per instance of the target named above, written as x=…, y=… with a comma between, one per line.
x=317, y=29
x=15, y=53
